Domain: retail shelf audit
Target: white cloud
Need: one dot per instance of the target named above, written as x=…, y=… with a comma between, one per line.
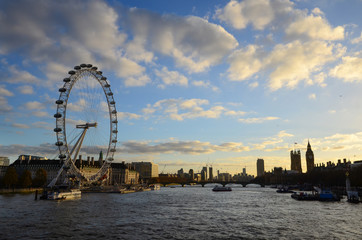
x=257, y=120
x=275, y=143
x=86, y=32
x=77, y=106
x=138, y=81
x=34, y=105
x=350, y=70
x=287, y=65
x=5, y=92
x=26, y=89
x=43, y=125
x=4, y=105
x=171, y=78
x=283, y=134
x=205, y=84
x=314, y=27
x=180, y=109
x=279, y=14
x=193, y=42
x=20, y=125
x=296, y=61
x=253, y=85
x=40, y=114
x=18, y=149
x=12, y=74
x=126, y=115
x=235, y=113
x=244, y=63
x=357, y=39
x=182, y=147
x=312, y=96
x=259, y=13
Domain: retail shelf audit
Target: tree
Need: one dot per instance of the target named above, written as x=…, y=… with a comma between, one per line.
x=40, y=178
x=11, y=177
x=25, y=179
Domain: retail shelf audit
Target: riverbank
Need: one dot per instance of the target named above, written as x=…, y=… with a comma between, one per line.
x=19, y=190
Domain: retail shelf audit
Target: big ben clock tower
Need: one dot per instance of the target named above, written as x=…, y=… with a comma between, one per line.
x=309, y=156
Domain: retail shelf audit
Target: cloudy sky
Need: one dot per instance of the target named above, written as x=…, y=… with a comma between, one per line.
x=196, y=83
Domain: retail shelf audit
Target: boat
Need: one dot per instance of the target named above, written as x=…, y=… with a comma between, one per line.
x=155, y=186
x=303, y=196
x=284, y=189
x=61, y=193
x=352, y=196
x=221, y=189
x=326, y=195
x=323, y=195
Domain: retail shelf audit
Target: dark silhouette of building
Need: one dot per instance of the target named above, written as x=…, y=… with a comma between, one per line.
x=211, y=175
x=296, y=163
x=204, y=174
x=260, y=167
x=191, y=173
x=309, y=156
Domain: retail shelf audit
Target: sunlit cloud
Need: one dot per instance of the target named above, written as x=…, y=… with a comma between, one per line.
x=171, y=78
x=312, y=96
x=182, y=147
x=180, y=109
x=350, y=70
x=257, y=120
x=258, y=13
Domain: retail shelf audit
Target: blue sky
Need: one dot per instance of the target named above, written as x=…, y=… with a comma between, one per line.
x=196, y=83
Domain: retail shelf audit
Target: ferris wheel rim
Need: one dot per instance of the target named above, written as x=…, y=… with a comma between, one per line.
x=60, y=116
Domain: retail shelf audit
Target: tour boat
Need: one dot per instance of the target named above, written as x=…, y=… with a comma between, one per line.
x=221, y=189
x=61, y=194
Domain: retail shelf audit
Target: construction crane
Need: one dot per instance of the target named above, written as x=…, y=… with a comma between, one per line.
x=163, y=169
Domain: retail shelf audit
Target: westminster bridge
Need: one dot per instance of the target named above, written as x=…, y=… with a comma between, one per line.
x=185, y=181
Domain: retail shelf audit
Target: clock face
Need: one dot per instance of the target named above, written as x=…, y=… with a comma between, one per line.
x=310, y=156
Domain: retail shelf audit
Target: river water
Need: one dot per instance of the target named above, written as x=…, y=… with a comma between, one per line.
x=179, y=213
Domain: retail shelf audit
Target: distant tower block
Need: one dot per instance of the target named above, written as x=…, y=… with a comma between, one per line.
x=260, y=167
x=296, y=163
x=211, y=175
x=309, y=156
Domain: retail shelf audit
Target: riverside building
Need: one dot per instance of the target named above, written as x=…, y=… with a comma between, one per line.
x=260, y=167
x=296, y=163
x=147, y=170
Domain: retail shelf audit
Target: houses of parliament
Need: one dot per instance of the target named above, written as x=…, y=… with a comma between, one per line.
x=296, y=162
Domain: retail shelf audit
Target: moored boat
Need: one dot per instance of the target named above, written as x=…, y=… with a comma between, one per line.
x=155, y=186
x=326, y=195
x=284, y=189
x=221, y=189
x=61, y=193
x=303, y=196
x=352, y=196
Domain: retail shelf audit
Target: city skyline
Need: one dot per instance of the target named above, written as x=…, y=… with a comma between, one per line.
x=196, y=83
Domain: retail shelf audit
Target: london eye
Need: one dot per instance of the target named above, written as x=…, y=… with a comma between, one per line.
x=86, y=124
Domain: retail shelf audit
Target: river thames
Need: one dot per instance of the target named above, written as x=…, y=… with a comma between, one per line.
x=179, y=213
